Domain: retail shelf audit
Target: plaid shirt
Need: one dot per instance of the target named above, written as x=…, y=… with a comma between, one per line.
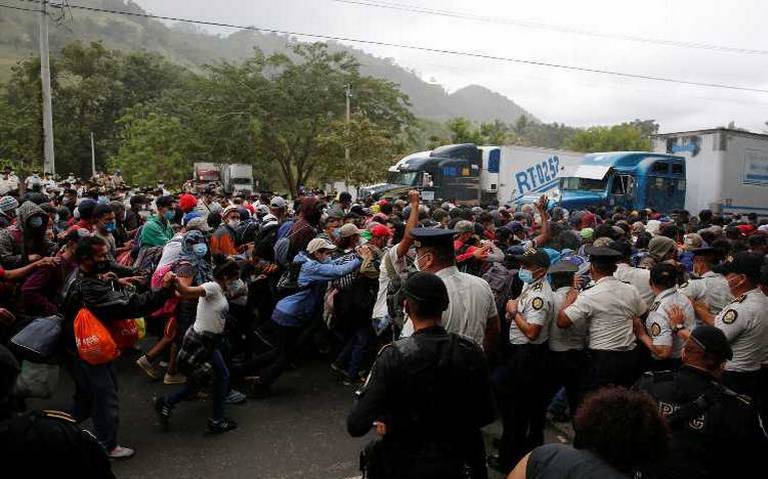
x=195, y=355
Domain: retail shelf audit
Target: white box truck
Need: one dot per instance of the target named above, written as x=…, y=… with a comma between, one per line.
x=726, y=170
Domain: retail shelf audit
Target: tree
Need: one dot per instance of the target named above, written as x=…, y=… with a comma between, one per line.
x=623, y=137
x=463, y=131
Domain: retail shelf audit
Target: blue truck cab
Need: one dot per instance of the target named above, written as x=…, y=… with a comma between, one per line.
x=631, y=179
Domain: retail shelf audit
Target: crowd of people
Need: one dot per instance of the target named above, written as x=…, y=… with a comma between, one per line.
x=648, y=331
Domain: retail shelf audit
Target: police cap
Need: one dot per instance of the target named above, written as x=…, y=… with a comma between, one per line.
x=432, y=237
x=705, y=251
x=534, y=257
x=713, y=341
x=426, y=289
x=602, y=254
x=744, y=263
x=564, y=266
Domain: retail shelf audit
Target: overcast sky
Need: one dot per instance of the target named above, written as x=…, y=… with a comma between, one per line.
x=580, y=99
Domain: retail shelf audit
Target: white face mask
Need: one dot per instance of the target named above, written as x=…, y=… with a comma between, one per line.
x=416, y=262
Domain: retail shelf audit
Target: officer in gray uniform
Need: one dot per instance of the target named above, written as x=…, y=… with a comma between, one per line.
x=610, y=308
x=521, y=383
x=428, y=395
x=708, y=290
x=665, y=347
x=566, y=346
x=744, y=322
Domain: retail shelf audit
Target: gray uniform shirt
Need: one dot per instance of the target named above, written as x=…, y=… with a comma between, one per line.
x=712, y=288
x=639, y=278
x=609, y=307
x=657, y=322
x=745, y=324
x=565, y=339
x=536, y=305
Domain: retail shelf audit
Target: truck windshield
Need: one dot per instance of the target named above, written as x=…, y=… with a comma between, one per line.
x=581, y=184
x=402, y=177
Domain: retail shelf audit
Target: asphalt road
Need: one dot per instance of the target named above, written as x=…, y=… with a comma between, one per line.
x=299, y=432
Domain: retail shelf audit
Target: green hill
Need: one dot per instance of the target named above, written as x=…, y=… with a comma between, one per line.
x=190, y=46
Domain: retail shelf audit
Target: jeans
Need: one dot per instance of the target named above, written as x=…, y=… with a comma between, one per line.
x=220, y=387
x=96, y=397
x=354, y=351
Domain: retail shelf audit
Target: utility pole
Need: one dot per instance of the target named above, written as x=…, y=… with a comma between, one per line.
x=49, y=165
x=348, y=93
x=93, y=158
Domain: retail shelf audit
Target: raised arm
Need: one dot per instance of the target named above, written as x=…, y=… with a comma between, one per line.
x=413, y=219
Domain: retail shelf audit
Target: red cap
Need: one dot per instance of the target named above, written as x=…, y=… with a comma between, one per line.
x=381, y=230
x=382, y=202
x=187, y=202
x=746, y=230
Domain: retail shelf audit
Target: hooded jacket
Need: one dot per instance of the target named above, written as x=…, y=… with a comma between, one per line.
x=17, y=241
x=299, y=307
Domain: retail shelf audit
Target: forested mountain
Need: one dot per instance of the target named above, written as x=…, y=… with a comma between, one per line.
x=192, y=47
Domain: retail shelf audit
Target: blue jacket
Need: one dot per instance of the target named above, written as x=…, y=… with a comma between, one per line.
x=313, y=277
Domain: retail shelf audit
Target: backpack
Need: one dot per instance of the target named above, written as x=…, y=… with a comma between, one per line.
x=395, y=287
x=500, y=279
x=283, y=247
x=265, y=241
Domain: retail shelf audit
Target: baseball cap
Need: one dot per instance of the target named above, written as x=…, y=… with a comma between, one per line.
x=712, y=340
x=742, y=263
x=348, y=230
x=464, y=226
x=319, y=243
x=692, y=241
x=515, y=226
x=381, y=231
x=277, y=202
x=426, y=288
x=187, y=202
x=659, y=246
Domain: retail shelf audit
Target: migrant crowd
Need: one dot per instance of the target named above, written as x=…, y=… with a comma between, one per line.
x=648, y=331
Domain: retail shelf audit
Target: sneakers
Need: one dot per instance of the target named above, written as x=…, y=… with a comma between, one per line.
x=121, y=452
x=235, y=397
x=163, y=410
x=148, y=367
x=220, y=426
x=177, y=378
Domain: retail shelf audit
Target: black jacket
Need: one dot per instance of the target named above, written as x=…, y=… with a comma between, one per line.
x=720, y=436
x=433, y=392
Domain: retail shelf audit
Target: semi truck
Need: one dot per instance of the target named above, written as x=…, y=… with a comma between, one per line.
x=471, y=174
x=727, y=169
x=722, y=170
x=232, y=178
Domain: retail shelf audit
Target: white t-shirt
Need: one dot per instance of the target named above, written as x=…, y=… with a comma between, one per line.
x=211, y=309
x=399, y=267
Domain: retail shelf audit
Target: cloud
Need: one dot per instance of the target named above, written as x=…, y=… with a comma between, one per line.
x=553, y=95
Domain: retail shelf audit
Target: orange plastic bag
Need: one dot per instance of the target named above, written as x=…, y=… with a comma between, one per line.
x=95, y=344
x=125, y=332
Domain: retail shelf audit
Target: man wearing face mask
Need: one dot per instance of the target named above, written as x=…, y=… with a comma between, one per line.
x=91, y=287
x=158, y=230
x=744, y=322
x=105, y=225
x=521, y=381
x=708, y=291
x=472, y=313
x=610, y=308
x=26, y=240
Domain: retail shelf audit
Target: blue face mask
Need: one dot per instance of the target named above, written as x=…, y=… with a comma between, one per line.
x=200, y=249
x=110, y=227
x=170, y=215
x=525, y=275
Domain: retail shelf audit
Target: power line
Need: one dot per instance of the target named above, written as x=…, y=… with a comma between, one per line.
x=551, y=27
x=483, y=56
x=23, y=9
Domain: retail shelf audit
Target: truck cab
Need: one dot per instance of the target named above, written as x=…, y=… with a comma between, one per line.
x=633, y=180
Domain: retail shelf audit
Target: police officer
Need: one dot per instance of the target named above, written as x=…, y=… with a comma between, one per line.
x=744, y=322
x=428, y=395
x=566, y=346
x=610, y=307
x=472, y=312
x=44, y=443
x=708, y=290
x=521, y=383
x=714, y=431
x=665, y=347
